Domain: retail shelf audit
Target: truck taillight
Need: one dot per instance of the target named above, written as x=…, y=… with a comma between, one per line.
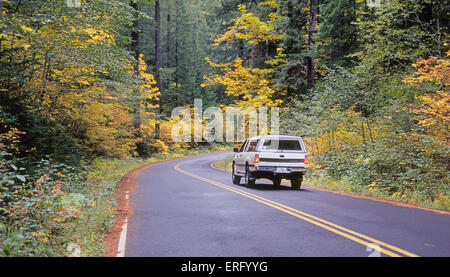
x=306, y=161
x=256, y=159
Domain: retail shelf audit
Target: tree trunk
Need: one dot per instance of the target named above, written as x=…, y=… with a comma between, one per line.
x=135, y=49
x=168, y=63
x=437, y=8
x=254, y=54
x=158, y=62
x=311, y=35
x=255, y=47
x=241, y=49
x=177, y=72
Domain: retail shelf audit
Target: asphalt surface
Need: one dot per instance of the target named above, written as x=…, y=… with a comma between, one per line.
x=186, y=208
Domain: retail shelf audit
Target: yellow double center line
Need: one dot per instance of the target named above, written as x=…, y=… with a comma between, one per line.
x=385, y=248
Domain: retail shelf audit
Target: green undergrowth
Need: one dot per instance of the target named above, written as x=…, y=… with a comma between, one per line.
x=64, y=210
x=320, y=179
x=441, y=201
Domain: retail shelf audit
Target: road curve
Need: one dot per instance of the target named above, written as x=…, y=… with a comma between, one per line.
x=185, y=208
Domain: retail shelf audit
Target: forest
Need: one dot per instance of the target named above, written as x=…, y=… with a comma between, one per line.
x=87, y=88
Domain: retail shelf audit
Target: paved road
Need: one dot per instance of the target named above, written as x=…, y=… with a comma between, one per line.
x=185, y=208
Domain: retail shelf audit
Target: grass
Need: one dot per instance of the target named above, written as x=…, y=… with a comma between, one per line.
x=441, y=202
x=225, y=163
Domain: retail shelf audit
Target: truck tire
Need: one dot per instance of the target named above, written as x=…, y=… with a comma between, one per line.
x=296, y=184
x=236, y=179
x=276, y=181
x=249, y=181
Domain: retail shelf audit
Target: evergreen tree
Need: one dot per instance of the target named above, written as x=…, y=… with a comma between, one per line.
x=337, y=33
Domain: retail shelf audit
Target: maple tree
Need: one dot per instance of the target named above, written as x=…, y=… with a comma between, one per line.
x=434, y=110
x=250, y=27
x=251, y=85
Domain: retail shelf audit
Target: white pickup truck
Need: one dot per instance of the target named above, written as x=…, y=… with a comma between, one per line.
x=272, y=157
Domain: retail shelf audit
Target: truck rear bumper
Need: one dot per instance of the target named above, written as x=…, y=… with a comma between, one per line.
x=279, y=169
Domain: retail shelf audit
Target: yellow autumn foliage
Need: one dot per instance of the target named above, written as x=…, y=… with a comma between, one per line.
x=249, y=85
x=166, y=143
x=432, y=70
x=72, y=89
x=353, y=131
x=149, y=92
x=108, y=129
x=434, y=110
x=250, y=27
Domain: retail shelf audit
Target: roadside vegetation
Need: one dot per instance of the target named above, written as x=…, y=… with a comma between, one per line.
x=315, y=178
x=87, y=89
x=225, y=164
x=66, y=206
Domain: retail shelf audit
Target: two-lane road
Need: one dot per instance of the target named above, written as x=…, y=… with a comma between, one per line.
x=186, y=208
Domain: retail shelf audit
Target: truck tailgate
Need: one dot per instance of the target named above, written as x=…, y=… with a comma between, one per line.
x=286, y=159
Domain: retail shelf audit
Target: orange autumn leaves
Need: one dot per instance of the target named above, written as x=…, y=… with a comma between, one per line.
x=433, y=113
x=432, y=70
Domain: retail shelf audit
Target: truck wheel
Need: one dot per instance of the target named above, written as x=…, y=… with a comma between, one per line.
x=276, y=181
x=296, y=182
x=249, y=181
x=236, y=179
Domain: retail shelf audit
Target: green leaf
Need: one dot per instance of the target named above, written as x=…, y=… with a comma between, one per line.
x=21, y=177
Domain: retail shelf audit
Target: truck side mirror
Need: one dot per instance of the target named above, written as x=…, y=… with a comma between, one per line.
x=235, y=150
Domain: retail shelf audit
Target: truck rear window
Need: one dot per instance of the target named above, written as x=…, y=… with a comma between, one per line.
x=252, y=146
x=275, y=144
